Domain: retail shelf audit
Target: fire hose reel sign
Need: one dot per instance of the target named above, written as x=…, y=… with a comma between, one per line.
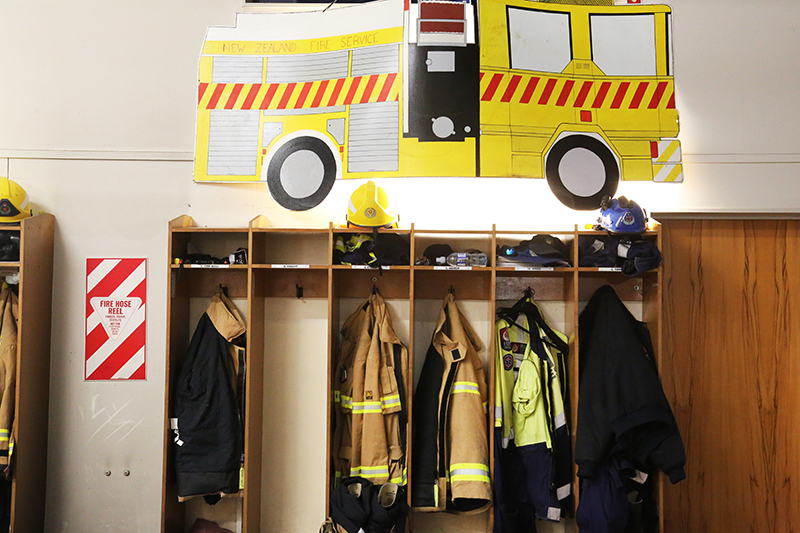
x=116, y=325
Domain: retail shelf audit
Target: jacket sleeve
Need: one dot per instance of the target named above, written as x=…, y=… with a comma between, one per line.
x=425, y=449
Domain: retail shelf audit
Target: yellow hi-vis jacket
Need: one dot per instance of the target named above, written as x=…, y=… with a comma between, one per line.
x=8, y=377
x=369, y=397
x=456, y=477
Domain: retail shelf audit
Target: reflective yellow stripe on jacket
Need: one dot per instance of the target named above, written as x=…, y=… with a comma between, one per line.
x=469, y=472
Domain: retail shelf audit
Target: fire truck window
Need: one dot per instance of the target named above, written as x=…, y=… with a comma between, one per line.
x=236, y=69
x=539, y=40
x=624, y=45
x=307, y=67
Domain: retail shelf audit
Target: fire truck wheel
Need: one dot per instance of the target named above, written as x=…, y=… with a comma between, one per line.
x=580, y=171
x=301, y=173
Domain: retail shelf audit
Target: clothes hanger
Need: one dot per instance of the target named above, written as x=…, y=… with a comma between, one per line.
x=526, y=306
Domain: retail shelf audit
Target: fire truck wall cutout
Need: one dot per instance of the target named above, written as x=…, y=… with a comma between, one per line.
x=580, y=95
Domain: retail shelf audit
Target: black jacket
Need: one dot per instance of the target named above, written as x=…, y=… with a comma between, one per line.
x=208, y=436
x=622, y=411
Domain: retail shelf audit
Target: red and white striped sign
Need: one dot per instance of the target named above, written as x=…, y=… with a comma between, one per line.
x=116, y=294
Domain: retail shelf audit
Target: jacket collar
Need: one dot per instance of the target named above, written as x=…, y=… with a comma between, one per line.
x=453, y=336
x=225, y=317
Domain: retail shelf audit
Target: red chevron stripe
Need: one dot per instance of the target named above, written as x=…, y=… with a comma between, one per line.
x=671, y=101
x=337, y=89
x=656, y=99
x=528, y=94
x=492, y=88
x=601, y=94
x=621, y=92
x=548, y=90
x=201, y=90
x=387, y=87
x=637, y=98
x=352, y=92
x=270, y=94
x=286, y=95
x=251, y=96
x=212, y=103
x=512, y=86
x=371, y=81
x=320, y=93
x=584, y=92
x=303, y=95
x=233, y=96
x=565, y=91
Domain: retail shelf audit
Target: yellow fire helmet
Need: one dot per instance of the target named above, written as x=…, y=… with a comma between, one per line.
x=369, y=207
x=14, y=203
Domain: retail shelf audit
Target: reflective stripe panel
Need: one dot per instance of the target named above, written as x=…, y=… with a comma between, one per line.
x=300, y=95
x=4, y=433
x=346, y=402
x=560, y=420
x=669, y=151
x=390, y=401
x=366, y=407
x=401, y=480
x=469, y=387
x=469, y=472
x=369, y=471
x=563, y=92
x=668, y=173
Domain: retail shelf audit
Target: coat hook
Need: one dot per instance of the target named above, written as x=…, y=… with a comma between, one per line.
x=452, y=290
x=529, y=292
x=223, y=289
x=298, y=290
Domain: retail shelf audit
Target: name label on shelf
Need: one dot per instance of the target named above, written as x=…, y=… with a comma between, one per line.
x=609, y=269
x=367, y=267
x=540, y=269
x=210, y=266
x=289, y=266
x=450, y=267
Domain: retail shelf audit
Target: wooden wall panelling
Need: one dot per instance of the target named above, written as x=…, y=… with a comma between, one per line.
x=730, y=369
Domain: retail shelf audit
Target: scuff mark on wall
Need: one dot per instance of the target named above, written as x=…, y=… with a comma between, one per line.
x=112, y=423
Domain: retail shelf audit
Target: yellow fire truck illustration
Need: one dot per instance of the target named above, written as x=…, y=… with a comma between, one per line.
x=581, y=95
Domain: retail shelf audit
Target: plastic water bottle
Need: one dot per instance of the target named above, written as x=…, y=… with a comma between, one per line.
x=467, y=259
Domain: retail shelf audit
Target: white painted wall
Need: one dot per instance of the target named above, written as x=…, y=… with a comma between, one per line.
x=97, y=103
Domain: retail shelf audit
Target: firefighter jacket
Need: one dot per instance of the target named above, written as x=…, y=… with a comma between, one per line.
x=529, y=409
x=206, y=411
x=369, y=397
x=8, y=377
x=450, y=466
x=623, y=411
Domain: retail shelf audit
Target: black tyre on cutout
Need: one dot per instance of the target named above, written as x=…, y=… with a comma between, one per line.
x=275, y=173
x=560, y=184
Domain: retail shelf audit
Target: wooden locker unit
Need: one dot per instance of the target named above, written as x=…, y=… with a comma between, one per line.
x=298, y=263
x=198, y=282
x=35, y=269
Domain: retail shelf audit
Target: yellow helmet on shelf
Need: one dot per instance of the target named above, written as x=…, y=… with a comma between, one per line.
x=14, y=203
x=369, y=207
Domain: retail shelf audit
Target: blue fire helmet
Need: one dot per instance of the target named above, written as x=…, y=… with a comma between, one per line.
x=620, y=215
